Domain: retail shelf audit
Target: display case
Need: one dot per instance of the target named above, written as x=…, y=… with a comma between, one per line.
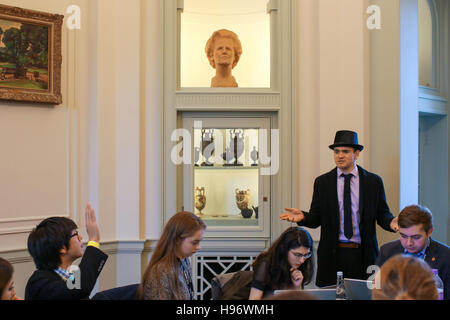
x=256, y=116
x=225, y=184
x=248, y=20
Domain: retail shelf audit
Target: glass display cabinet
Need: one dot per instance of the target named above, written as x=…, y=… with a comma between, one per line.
x=225, y=183
x=228, y=176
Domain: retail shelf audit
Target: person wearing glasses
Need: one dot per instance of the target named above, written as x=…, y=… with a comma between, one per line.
x=348, y=202
x=415, y=228
x=287, y=264
x=54, y=245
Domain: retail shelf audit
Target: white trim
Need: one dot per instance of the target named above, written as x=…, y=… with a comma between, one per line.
x=16, y=230
x=108, y=247
x=35, y=218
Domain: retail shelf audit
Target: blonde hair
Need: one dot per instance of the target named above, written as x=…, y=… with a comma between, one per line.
x=406, y=278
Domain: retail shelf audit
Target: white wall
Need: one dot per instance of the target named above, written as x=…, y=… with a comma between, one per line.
x=104, y=143
x=332, y=83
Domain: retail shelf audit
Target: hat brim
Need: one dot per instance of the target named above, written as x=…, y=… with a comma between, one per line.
x=356, y=146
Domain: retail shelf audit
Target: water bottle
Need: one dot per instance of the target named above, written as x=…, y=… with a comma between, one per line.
x=439, y=284
x=340, y=289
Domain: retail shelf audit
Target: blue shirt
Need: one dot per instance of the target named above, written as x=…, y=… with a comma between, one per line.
x=354, y=192
x=420, y=255
x=64, y=274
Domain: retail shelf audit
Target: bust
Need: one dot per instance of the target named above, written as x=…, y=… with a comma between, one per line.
x=223, y=50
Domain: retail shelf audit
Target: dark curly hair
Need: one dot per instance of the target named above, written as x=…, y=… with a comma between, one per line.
x=278, y=275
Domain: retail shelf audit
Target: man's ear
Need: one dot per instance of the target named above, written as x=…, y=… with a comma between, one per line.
x=63, y=250
x=430, y=232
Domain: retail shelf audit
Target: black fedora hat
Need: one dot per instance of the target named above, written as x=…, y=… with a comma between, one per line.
x=346, y=138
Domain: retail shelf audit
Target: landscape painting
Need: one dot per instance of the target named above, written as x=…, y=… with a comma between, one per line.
x=30, y=55
x=23, y=55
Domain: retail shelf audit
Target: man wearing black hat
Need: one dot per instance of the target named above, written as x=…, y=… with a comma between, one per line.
x=347, y=203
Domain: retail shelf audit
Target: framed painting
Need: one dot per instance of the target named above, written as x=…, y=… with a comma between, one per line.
x=30, y=55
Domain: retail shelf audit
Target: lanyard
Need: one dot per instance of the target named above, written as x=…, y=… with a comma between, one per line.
x=187, y=278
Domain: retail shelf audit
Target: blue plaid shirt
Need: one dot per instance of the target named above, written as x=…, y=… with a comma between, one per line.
x=420, y=255
x=64, y=274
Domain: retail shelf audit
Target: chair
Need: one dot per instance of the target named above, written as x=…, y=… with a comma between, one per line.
x=217, y=283
x=232, y=286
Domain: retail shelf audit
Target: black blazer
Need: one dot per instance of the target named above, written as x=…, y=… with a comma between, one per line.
x=48, y=285
x=324, y=212
x=437, y=255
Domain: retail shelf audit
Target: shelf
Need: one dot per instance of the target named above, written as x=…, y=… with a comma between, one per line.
x=229, y=221
x=225, y=167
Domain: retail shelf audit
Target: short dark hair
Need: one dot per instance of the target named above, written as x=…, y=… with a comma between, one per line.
x=6, y=273
x=414, y=215
x=47, y=239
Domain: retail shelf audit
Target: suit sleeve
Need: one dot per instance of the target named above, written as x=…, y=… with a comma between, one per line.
x=312, y=218
x=381, y=259
x=48, y=287
x=384, y=215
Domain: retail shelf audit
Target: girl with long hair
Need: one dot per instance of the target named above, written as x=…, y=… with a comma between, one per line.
x=169, y=275
x=287, y=264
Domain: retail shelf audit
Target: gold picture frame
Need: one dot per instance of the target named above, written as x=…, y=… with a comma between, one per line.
x=30, y=55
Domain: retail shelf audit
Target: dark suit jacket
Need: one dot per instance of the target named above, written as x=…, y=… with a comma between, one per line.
x=48, y=285
x=437, y=255
x=324, y=212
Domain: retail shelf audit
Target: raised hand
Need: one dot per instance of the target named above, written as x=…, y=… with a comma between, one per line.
x=91, y=224
x=292, y=215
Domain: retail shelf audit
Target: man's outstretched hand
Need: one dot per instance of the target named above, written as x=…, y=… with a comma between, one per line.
x=292, y=215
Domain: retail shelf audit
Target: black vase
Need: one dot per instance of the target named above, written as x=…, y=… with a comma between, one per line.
x=247, y=213
x=256, y=211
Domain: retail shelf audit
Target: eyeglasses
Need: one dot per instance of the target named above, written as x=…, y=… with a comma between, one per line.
x=305, y=256
x=75, y=235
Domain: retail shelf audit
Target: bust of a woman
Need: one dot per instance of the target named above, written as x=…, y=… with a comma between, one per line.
x=223, y=50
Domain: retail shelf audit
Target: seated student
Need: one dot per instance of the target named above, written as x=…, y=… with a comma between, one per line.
x=415, y=228
x=405, y=278
x=7, y=291
x=169, y=274
x=287, y=264
x=54, y=245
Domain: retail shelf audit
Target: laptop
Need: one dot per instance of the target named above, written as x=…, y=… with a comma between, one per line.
x=358, y=289
x=321, y=294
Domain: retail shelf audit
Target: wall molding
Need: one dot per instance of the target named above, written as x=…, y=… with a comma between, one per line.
x=17, y=225
x=33, y=218
x=109, y=247
x=16, y=230
x=219, y=101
